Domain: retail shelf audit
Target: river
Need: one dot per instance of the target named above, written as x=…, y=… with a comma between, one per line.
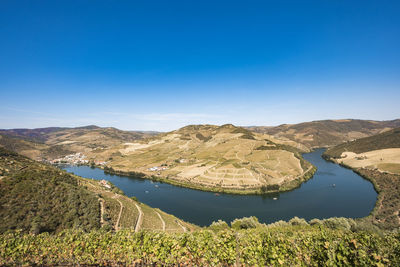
x=351, y=196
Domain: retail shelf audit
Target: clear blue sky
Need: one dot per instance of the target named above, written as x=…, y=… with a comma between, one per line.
x=160, y=65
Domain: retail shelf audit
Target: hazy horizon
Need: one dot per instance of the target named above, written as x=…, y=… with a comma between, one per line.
x=139, y=130
x=162, y=65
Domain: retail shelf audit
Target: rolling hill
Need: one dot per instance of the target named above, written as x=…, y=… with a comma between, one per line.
x=216, y=158
x=388, y=139
x=381, y=151
x=327, y=133
x=56, y=142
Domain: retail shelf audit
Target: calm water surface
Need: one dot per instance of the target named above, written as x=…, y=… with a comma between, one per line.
x=352, y=196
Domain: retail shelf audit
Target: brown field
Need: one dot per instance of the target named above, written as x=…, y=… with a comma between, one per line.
x=383, y=159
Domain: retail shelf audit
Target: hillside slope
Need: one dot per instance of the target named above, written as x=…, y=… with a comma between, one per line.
x=328, y=132
x=389, y=139
x=36, y=197
x=216, y=158
x=377, y=158
x=381, y=152
x=39, y=198
x=56, y=142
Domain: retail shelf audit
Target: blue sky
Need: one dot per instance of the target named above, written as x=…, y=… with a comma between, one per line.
x=160, y=65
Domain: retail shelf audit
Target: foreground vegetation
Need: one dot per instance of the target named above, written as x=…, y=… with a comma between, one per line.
x=293, y=245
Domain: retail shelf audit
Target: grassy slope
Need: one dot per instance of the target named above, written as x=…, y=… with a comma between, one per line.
x=389, y=139
x=36, y=197
x=328, y=132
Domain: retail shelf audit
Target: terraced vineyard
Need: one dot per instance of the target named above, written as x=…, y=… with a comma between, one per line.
x=122, y=212
x=225, y=158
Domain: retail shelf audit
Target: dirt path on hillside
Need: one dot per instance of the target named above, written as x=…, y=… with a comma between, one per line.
x=183, y=227
x=299, y=166
x=304, y=173
x=140, y=218
x=379, y=204
x=120, y=212
x=101, y=212
x=162, y=221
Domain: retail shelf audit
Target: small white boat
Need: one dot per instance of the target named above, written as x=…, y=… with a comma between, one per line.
x=275, y=198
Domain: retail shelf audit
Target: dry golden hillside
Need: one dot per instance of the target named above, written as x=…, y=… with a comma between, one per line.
x=217, y=158
x=328, y=132
x=55, y=142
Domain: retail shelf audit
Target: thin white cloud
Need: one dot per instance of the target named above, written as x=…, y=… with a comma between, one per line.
x=174, y=116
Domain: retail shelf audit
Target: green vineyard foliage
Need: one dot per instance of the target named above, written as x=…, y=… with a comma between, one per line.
x=264, y=246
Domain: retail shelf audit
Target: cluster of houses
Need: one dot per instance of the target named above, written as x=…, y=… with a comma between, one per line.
x=101, y=163
x=105, y=184
x=163, y=167
x=77, y=158
x=158, y=168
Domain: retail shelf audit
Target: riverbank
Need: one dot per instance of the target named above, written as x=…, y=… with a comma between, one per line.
x=267, y=189
x=386, y=212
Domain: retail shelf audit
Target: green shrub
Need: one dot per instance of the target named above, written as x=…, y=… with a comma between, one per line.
x=245, y=223
x=279, y=223
x=339, y=223
x=315, y=222
x=297, y=221
x=219, y=225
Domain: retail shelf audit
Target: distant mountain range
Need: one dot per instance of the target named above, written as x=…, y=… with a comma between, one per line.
x=53, y=142
x=326, y=133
